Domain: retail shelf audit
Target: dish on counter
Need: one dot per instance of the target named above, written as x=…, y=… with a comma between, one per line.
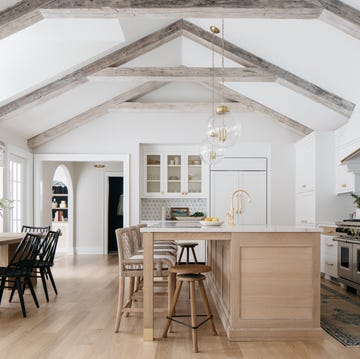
x=189, y=218
x=206, y=223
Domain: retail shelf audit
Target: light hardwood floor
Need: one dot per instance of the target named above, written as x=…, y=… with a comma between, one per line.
x=79, y=323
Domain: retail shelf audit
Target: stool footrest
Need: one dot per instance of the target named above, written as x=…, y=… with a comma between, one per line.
x=188, y=316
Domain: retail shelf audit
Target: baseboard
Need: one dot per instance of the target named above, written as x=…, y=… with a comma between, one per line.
x=88, y=250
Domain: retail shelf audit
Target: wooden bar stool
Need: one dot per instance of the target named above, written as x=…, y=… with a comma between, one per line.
x=188, y=246
x=190, y=273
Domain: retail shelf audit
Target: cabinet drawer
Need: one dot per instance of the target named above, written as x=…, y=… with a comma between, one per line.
x=330, y=247
x=330, y=266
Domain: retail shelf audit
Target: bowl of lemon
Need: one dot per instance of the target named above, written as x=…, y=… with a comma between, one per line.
x=211, y=221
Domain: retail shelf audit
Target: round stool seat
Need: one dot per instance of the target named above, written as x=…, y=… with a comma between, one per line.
x=190, y=277
x=190, y=268
x=187, y=244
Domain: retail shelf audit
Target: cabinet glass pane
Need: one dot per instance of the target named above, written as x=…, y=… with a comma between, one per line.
x=173, y=173
x=194, y=174
x=345, y=257
x=153, y=173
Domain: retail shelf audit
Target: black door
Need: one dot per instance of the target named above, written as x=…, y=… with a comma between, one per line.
x=115, y=210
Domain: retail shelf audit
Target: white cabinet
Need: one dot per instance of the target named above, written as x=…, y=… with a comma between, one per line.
x=224, y=182
x=345, y=180
x=329, y=256
x=305, y=208
x=305, y=164
x=62, y=243
x=174, y=175
x=315, y=179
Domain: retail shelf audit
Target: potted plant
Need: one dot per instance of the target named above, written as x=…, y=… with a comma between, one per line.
x=4, y=203
x=357, y=204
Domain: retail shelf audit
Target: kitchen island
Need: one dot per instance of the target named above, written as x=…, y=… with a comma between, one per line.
x=265, y=280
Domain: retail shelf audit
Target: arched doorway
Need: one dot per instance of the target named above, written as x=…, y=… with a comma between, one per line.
x=62, y=208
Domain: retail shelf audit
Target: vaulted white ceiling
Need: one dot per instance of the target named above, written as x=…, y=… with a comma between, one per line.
x=52, y=48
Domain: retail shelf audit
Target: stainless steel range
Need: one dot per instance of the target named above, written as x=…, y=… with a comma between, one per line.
x=348, y=239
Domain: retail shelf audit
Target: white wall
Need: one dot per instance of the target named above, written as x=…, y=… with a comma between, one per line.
x=122, y=133
x=9, y=137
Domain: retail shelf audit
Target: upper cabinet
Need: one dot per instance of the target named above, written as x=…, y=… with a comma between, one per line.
x=347, y=141
x=174, y=174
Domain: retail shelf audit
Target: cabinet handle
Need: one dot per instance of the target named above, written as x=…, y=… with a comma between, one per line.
x=329, y=264
x=162, y=192
x=304, y=221
x=343, y=185
x=303, y=186
x=329, y=245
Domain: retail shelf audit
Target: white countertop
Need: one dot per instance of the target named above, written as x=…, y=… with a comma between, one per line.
x=188, y=226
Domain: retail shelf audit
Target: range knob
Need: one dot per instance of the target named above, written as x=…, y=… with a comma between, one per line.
x=351, y=232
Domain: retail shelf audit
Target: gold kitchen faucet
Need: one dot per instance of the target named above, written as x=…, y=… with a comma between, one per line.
x=237, y=195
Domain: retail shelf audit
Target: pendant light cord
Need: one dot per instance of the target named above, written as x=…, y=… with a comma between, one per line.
x=222, y=67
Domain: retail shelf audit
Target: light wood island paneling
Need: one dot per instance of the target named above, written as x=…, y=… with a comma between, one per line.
x=265, y=281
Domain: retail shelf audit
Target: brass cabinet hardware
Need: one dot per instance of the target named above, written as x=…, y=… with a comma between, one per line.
x=343, y=185
x=329, y=245
x=329, y=264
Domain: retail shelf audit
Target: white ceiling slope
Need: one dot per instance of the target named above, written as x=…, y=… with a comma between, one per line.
x=40, y=54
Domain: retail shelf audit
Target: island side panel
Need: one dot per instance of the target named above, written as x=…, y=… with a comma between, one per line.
x=218, y=280
x=274, y=286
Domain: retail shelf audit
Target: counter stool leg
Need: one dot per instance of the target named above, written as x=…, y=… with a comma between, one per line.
x=172, y=308
x=187, y=255
x=130, y=294
x=193, y=317
x=120, y=303
x=181, y=254
x=207, y=306
x=171, y=290
x=194, y=255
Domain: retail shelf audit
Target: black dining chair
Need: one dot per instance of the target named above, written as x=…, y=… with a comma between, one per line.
x=37, y=230
x=44, y=261
x=16, y=275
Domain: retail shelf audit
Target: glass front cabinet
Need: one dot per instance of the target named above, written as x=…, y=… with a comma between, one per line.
x=173, y=175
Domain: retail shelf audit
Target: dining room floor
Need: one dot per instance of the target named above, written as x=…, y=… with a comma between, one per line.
x=79, y=322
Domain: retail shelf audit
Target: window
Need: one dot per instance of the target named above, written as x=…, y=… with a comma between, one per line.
x=16, y=191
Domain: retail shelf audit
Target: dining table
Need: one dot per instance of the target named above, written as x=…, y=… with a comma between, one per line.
x=8, y=244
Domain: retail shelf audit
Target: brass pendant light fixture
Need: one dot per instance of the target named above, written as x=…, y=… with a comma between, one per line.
x=223, y=126
x=223, y=129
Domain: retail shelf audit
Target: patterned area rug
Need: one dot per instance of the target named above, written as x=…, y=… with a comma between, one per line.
x=340, y=316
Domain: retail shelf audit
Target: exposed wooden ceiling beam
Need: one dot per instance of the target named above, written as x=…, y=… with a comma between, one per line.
x=288, y=9
x=115, y=58
x=182, y=73
x=196, y=107
x=23, y=14
x=253, y=105
x=285, y=78
x=92, y=114
x=341, y=16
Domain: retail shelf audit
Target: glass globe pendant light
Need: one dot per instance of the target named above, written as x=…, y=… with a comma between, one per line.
x=210, y=153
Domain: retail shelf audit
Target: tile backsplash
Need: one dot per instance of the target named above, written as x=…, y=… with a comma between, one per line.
x=151, y=207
